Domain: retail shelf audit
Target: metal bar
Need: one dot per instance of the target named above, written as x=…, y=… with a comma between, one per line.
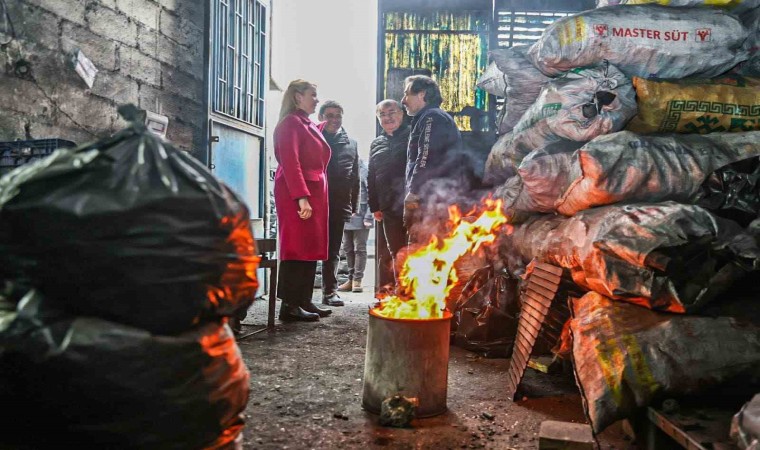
x=272, y=295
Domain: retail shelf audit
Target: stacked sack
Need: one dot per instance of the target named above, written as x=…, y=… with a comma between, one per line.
x=644, y=209
x=127, y=256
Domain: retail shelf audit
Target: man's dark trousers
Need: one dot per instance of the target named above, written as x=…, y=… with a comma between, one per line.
x=330, y=265
x=395, y=237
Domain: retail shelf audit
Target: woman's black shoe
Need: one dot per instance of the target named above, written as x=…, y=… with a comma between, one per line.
x=294, y=313
x=312, y=308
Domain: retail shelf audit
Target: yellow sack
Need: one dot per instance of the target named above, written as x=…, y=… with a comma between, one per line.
x=695, y=105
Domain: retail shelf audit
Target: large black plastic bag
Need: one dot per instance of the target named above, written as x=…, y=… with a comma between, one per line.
x=131, y=230
x=648, y=41
x=79, y=382
x=486, y=313
x=626, y=357
x=733, y=191
x=664, y=256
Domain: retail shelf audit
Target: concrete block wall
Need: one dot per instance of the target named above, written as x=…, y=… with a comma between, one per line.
x=148, y=52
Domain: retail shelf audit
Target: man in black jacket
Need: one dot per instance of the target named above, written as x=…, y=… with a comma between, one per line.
x=342, y=192
x=434, y=153
x=387, y=164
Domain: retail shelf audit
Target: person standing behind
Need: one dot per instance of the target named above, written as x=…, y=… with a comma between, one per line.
x=343, y=192
x=434, y=151
x=300, y=196
x=385, y=183
x=355, y=235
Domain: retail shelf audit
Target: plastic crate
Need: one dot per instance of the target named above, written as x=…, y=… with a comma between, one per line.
x=18, y=153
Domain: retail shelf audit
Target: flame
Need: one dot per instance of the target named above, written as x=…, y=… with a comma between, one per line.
x=428, y=273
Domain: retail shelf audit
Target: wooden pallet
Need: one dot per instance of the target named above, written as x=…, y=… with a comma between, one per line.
x=541, y=288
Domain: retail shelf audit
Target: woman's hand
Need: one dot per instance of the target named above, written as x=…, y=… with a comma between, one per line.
x=304, y=208
x=378, y=215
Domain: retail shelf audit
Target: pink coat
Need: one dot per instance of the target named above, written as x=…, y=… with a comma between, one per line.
x=302, y=154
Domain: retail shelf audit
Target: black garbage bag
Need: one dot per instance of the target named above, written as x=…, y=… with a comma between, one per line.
x=82, y=382
x=486, y=314
x=131, y=230
x=733, y=191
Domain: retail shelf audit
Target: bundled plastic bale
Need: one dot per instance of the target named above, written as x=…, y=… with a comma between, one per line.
x=131, y=230
x=697, y=105
x=625, y=167
x=735, y=6
x=531, y=190
x=83, y=380
x=579, y=106
x=583, y=104
x=626, y=357
x=664, y=256
x=493, y=81
x=541, y=191
x=649, y=41
x=523, y=84
x=498, y=167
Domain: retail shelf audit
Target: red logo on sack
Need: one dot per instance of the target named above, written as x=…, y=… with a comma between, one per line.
x=703, y=35
x=601, y=30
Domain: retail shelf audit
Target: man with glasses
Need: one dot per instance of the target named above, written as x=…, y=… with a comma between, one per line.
x=342, y=192
x=387, y=163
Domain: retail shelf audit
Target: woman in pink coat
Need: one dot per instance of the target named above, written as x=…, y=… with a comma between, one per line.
x=300, y=196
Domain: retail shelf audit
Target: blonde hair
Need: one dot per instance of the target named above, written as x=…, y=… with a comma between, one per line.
x=289, y=98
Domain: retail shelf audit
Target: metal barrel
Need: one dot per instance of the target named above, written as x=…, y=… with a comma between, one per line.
x=407, y=357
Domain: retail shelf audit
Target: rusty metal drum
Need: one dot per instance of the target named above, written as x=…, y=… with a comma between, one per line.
x=407, y=357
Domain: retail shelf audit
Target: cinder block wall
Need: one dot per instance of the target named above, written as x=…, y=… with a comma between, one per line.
x=148, y=52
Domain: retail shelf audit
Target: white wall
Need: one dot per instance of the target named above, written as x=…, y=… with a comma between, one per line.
x=332, y=43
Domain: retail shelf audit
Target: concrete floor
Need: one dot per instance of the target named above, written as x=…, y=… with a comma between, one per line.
x=306, y=383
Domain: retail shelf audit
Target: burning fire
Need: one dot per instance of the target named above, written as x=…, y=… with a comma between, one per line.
x=428, y=274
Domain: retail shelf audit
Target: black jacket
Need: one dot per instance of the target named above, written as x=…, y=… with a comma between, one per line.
x=387, y=164
x=342, y=175
x=435, y=149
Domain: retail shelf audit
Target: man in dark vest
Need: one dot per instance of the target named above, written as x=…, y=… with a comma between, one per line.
x=342, y=191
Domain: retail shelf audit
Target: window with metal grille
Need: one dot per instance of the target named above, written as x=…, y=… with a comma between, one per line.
x=238, y=47
x=522, y=28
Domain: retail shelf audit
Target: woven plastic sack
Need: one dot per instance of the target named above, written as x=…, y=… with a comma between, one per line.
x=73, y=381
x=531, y=191
x=697, y=105
x=131, y=230
x=625, y=167
x=751, y=20
x=648, y=41
x=493, y=81
x=524, y=83
x=735, y=6
x=626, y=357
x=578, y=106
x=583, y=104
x=663, y=256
